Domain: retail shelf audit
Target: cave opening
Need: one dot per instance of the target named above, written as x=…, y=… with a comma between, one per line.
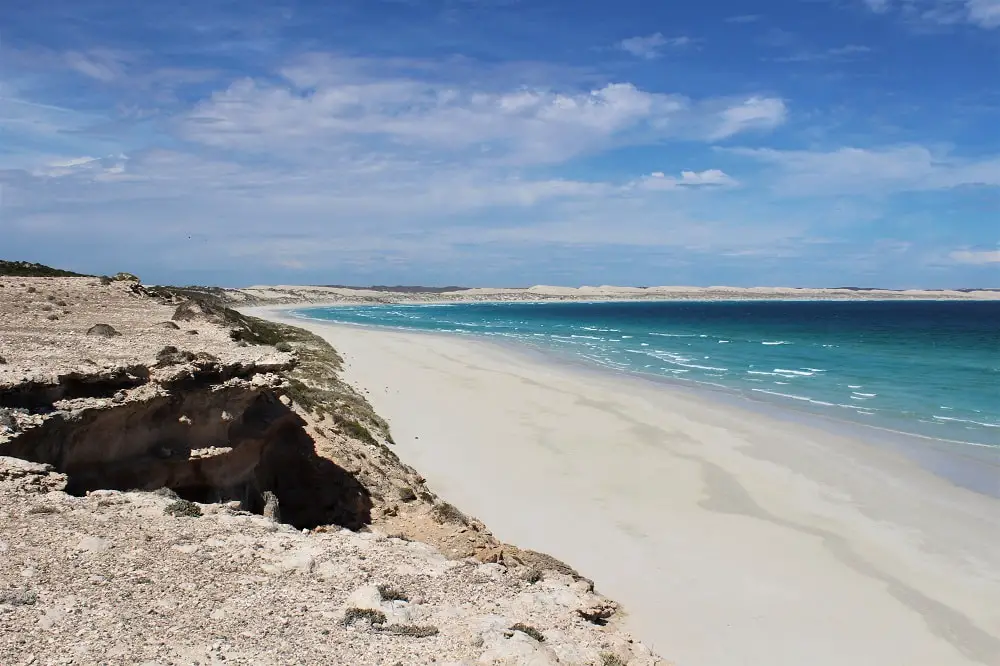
x=207, y=447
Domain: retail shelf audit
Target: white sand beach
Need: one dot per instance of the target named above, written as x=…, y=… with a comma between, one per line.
x=731, y=537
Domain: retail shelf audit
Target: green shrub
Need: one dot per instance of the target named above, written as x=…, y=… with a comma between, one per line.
x=532, y=575
x=414, y=630
x=612, y=659
x=18, y=598
x=373, y=616
x=529, y=630
x=447, y=513
x=29, y=269
x=283, y=346
x=183, y=509
x=354, y=429
x=390, y=593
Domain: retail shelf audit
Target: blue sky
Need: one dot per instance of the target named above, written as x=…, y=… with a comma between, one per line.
x=505, y=142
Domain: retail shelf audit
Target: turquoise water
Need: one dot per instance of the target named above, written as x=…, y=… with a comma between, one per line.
x=930, y=368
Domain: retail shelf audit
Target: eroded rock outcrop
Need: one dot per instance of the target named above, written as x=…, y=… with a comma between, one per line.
x=128, y=577
x=246, y=417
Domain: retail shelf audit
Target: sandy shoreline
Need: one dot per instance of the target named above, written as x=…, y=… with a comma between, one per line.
x=731, y=537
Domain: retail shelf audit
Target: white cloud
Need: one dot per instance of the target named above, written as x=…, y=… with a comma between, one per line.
x=693, y=179
x=755, y=113
x=976, y=257
x=94, y=167
x=651, y=46
x=326, y=106
x=985, y=13
x=878, y=5
x=103, y=65
x=982, y=13
x=837, y=53
x=873, y=171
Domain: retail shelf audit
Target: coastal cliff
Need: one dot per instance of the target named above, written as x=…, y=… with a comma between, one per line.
x=221, y=494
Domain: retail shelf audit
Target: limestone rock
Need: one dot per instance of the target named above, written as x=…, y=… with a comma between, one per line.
x=272, y=509
x=103, y=331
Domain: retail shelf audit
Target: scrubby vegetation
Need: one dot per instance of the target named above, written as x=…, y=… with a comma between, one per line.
x=390, y=593
x=413, y=630
x=314, y=383
x=529, y=630
x=612, y=659
x=352, y=615
x=532, y=575
x=183, y=509
x=29, y=269
x=447, y=513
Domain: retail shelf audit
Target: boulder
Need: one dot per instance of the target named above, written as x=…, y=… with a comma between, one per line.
x=103, y=331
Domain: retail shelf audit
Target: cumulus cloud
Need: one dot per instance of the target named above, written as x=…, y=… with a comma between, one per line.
x=95, y=167
x=873, y=171
x=879, y=6
x=651, y=47
x=323, y=105
x=754, y=113
x=982, y=13
x=985, y=13
x=100, y=64
x=688, y=179
x=976, y=257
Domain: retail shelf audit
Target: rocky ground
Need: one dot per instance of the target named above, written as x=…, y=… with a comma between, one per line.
x=47, y=325
x=191, y=474
x=114, y=578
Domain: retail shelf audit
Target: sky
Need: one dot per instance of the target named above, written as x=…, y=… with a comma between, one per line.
x=504, y=142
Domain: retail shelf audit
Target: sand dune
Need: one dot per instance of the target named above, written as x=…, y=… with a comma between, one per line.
x=287, y=294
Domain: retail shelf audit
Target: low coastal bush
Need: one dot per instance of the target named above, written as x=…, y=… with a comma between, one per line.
x=413, y=630
x=18, y=598
x=283, y=346
x=529, y=630
x=170, y=355
x=532, y=575
x=448, y=513
x=354, y=429
x=390, y=593
x=372, y=616
x=183, y=509
x=612, y=659
x=30, y=269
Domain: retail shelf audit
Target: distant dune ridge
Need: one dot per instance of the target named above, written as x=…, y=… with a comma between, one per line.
x=290, y=294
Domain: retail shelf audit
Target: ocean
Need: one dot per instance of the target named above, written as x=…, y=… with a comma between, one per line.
x=928, y=368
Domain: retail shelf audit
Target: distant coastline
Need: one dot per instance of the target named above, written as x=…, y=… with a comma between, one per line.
x=319, y=295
